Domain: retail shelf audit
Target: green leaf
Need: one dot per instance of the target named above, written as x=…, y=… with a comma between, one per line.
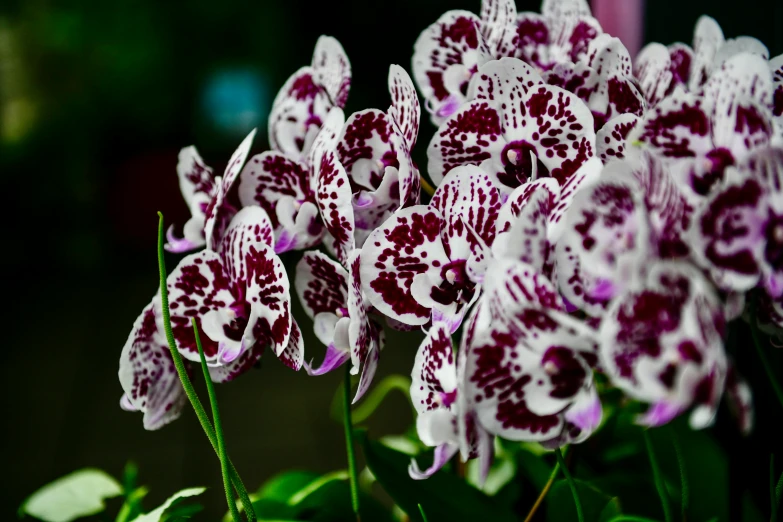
x=283, y=486
x=597, y=506
x=159, y=514
x=445, y=497
x=78, y=494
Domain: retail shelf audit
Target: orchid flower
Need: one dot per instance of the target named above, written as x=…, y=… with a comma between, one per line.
x=374, y=148
x=517, y=129
x=662, y=344
x=435, y=392
x=239, y=295
x=602, y=78
x=528, y=369
x=307, y=96
x=738, y=233
x=449, y=52
x=332, y=296
x=560, y=34
x=425, y=261
x=206, y=198
x=698, y=137
x=282, y=181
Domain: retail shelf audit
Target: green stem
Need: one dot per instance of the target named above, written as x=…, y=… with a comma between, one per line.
x=423, y=514
x=658, y=478
x=348, y=424
x=543, y=493
x=571, y=483
x=221, y=443
x=685, y=489
x=754, y=331
x=190, y=391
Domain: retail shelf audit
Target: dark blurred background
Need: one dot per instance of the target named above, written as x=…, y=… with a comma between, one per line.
x=96, y=99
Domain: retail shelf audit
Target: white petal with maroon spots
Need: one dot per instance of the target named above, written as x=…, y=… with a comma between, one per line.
x=445, y=56
x=434, y=374
x=321, y=284
x=707, y=39
x=472, y=194
x=611, y=141
x=743, y=75
x=498, y=25
x=406, y=245
x=332, y=69
x=197, y=184
x=469, y=137
x=220, y=211
x=297, y=113
x=662, y=344
x=502, y=81
x=525, y=235
x=147, y=372
x=654, y=72
x=405, y=108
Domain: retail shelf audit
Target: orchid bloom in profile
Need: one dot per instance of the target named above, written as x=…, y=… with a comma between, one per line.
x=518, y=129
x=306, y=98
x=425, y=262
x=528, y=369
x=205, y=196
x=435, y=394
x=332, y=296
x=239, y=295
x=662, y=344
x=282, y=181
x=449, y=52
x=560, y=34
x=374, y=148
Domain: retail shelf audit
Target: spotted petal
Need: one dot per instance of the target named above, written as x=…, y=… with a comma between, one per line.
x=297, y=113
x=654, y=72
x=611, y=139
x=499, y=80
x=743, y=75
x=321, y=284
x=472, y=194
x=220, y=211
x=434, y=377
x=333, y=189
x=147, y=372
x=197, y=184
x=332, y=69
x=662, y=344
x=735, y=46
x=469, y=137
x=406, y=245
x=498, y=26
x=445, y=56
x=525, y=223
x=707, y=39
x=405, y=108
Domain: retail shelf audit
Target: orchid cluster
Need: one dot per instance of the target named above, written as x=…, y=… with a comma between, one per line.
x=597, y=222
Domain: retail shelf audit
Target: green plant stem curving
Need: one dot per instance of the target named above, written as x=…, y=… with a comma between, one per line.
x=572, y=484
x=190, y=391
x=544, y=492
x=379, y=393
x=423, y=514
x=221, y=443
x=754, y=331
x=349, y=446
x=658, y=478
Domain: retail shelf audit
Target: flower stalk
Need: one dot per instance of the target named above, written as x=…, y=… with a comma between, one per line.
x=658, y=478
x=187, y=385
x=349, y=445
x=572, y=484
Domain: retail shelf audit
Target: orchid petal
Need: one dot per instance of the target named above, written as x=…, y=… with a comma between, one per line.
x=321, y=284
x=405, y=108
x=443, y=454
x=332, y=69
